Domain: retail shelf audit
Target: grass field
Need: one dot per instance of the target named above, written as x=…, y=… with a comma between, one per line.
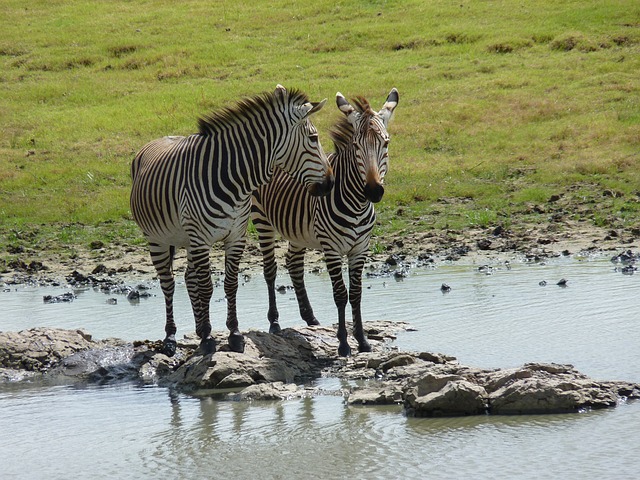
x=503, y=104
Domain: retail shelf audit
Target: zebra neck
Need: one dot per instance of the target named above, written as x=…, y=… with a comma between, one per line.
x=243, y=155
x=348, y=190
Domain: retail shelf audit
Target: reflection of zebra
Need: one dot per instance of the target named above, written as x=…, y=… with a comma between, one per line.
x=339, y=224
x=194, y=191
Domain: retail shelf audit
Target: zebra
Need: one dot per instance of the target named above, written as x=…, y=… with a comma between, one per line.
x=191, y=192
x=338, y=224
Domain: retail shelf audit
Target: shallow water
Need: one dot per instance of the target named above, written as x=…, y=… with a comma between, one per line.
x=499, y=320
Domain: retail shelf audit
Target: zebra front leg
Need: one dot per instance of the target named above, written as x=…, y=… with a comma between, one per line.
x=162, y=259
x=200, y=288
x=295, y=266
x=233, y=254
x=355, y=296
x=334, y=265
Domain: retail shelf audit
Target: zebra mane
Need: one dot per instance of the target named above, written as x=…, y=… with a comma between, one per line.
x=342, y=132
x=245, y=109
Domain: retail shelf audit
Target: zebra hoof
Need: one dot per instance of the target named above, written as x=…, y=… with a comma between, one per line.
x=275, y=328
x=169, y=346
x=344, y=350
x=236, y=342
x=208, y=345
x=364, y=347
x=313, y=322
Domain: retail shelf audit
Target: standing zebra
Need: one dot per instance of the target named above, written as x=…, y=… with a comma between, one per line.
x=194, y=191
x=338, y=224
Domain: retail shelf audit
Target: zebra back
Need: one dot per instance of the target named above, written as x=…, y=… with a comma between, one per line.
x=197, y=188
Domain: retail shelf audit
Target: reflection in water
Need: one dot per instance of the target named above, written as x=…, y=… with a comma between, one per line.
x=151, y=432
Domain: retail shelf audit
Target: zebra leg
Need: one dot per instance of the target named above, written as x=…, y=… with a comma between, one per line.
x=200, y=288
x=356, y=264
x=295, y=266
x=233, y=253
x=162, y=259
x=266, y=239
x=334, y=265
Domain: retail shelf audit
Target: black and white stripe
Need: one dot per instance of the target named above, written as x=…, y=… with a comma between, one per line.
x=190, y=192
x=338, y=224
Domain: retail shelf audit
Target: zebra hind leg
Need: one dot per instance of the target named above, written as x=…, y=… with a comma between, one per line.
x=295, y=266
x=162, y=259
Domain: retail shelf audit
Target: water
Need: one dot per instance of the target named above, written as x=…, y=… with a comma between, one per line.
x=500, y=320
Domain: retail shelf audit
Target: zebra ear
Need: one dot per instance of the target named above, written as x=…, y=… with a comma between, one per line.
x=389, y=106
x=316, y=107
x=280, y=92
x=346, y=108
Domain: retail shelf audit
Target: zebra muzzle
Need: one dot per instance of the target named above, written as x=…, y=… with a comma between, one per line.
x=320, y=189
x=373, y=192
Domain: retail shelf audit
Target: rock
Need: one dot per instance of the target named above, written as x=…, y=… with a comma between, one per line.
x=380, y=393
x=293, y=354
x=484, y=244
x=99, y=269
x=397, y=360
x=38, y=349
x=393, y=260
x=271, y=391
x=455, y=398
x=546, y=388
x=62, y=298
x=431, y=383
x=436, y=357
x=96, y=245
x=533, y=395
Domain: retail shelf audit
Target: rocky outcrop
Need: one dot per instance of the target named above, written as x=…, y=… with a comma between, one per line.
x=274, y=367
x=38, y=349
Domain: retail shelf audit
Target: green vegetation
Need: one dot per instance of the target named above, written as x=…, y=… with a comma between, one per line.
x=502, y=103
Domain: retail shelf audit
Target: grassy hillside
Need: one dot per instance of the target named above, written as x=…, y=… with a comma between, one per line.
x=502, y=103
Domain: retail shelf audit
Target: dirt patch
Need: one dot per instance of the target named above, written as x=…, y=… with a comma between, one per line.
x=531, y=242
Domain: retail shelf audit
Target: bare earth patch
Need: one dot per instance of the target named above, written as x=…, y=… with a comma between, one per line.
x=531, y=242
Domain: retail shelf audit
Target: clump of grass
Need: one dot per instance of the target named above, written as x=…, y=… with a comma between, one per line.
x=119, y=51
x=508, y=46
x=461, y=38
x=570, y=41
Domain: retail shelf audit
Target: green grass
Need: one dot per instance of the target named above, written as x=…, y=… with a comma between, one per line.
x=502, y=103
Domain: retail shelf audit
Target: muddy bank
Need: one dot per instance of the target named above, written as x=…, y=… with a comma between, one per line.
x=100, y=263
x=276, y=367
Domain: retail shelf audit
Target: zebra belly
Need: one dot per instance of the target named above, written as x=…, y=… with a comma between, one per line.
x=341, y=240
x=190, y=231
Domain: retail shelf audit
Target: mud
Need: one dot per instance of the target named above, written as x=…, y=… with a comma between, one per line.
x=110, y=265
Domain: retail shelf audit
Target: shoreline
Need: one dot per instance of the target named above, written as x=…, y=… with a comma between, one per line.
x=489, y=245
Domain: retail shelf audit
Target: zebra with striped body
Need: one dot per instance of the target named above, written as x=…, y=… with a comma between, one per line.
x=338, y=224
x=194, y=191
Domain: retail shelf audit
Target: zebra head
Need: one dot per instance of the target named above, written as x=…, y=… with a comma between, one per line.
x=370, y=140
x=300, y=153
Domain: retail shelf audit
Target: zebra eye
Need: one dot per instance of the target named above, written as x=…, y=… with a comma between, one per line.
x=313, y=137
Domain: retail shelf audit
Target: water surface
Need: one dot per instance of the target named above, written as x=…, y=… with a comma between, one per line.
x=499, y=320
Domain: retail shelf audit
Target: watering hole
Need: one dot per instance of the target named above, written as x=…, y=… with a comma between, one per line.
x=500, y=316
